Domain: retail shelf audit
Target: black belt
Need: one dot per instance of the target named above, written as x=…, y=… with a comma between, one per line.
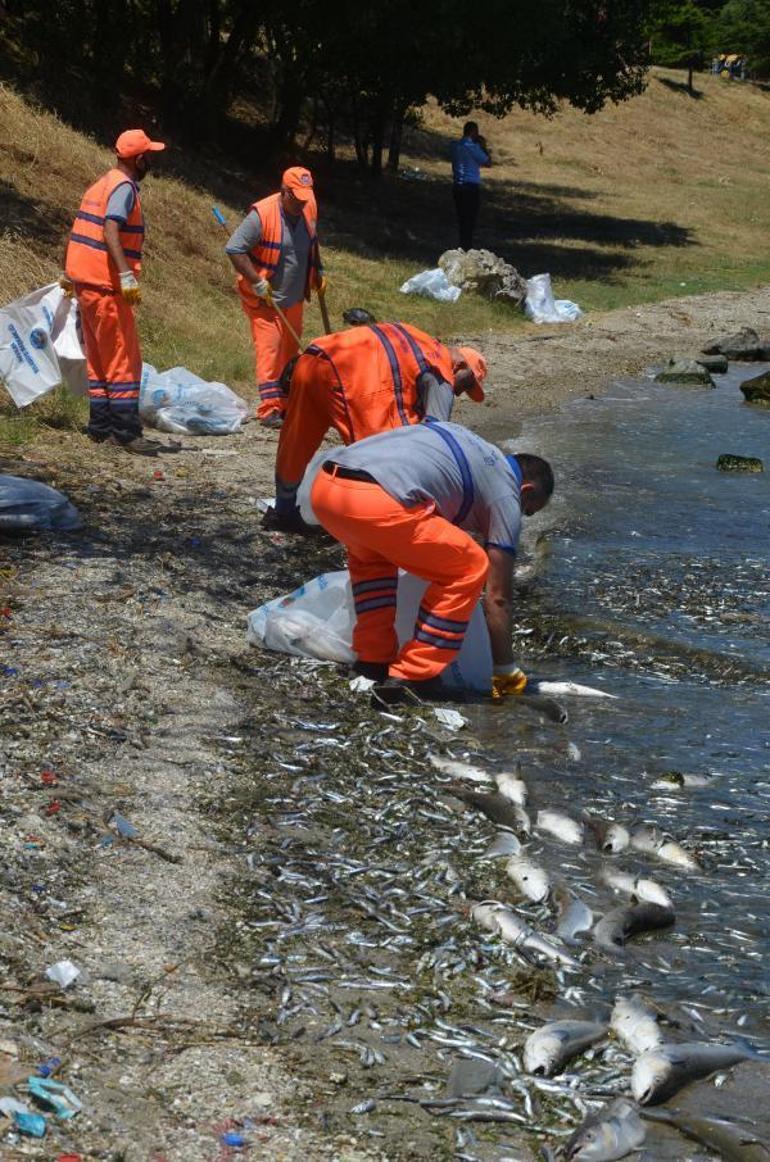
x=347, y=473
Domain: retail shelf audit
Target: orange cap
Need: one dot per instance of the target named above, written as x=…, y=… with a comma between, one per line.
x=135, y=141
x=299, y=181
x=478, y=366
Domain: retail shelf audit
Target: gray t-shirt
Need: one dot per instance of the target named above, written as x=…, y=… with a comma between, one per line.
x=470, y=481
x=436, y=396
x=289, y=281
x=121, y=202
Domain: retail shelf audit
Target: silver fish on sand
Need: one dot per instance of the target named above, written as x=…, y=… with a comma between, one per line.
x=559, y=825
x=497, y=918
x=635, y=1025
x=504, y=843
x=637, y=887
x=620, y=924
x=530, y=878
x=612, y=1133
x=652, y=841
x=457, y=769
x=574, y=916
x=660, y=1073
x=558, y=689
x=548, y=1049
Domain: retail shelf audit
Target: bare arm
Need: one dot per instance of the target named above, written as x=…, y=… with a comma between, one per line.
x=244, y=266
x=114, y=248
x=498, y=605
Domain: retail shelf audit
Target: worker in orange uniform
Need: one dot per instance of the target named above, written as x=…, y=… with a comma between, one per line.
x=409, y=499
x=102, y=262
x=361, y=382
x=275, y=252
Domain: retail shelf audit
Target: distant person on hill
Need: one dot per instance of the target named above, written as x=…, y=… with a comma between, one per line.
x=103, y=259
x=275, y=252
x=469, y=154
x=361, y=382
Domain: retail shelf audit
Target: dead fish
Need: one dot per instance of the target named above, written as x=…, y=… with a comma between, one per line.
x=620, y=924
x=512, y=786
x=574, y=689
x=560, y=826
x=549, y=1048
x=496, y=917
x=460, y=770
x=574, y=916
x=495, y=806
x=548, y=707
x=732, y=1141
x=505, y=843
x=612, y=1133
x=610, y=837
x=672, y=780
x=653, y=842
x=637, y=887
x=531, y=879
x=660, y=1073
x=635, y=1025
x=471, y=1076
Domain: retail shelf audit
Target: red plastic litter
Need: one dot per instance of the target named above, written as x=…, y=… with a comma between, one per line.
x=6, y=611
x=69, y=1158
x=49, y=778
x=53, y=808
x=158, y=475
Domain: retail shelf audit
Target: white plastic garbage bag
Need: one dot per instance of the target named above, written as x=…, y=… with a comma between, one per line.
x=433, y=284
x=33, y=331
x=541, y=307
x=316, y=621
x=29, y=504
x=179, y=401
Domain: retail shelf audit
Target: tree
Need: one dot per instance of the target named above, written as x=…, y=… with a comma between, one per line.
x=744, y=27
x=683, y=35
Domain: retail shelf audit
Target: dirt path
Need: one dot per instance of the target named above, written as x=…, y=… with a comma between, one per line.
x=125, y=674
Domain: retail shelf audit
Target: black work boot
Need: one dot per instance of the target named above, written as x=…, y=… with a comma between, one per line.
x=375, y=671
x=290, y=522
x=401, y=692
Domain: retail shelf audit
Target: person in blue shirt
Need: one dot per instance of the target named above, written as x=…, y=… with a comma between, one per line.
x=469, y=154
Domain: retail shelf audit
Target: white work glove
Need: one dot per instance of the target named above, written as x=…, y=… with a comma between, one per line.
x=129, y=288
x=508, y=680
x=261, y=289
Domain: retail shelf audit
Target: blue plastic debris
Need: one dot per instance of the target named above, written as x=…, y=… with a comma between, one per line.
x=123, y=827
x=56, y=1095
x=49, y=1066
x=34, y=1125
x=231, y=1138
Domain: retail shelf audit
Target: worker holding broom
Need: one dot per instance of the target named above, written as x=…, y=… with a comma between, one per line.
x=275, y=252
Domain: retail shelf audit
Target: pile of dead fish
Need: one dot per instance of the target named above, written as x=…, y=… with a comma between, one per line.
x=659, y=1069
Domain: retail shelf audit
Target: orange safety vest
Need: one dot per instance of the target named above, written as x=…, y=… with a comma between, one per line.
x=88, y=260
x=376, y=371
x=266, y=254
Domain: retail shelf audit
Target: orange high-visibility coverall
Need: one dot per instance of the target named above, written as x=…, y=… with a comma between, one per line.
x=381, y=536
x=361, y=382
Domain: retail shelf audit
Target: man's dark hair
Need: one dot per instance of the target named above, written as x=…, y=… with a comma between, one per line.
x=470, y=127
x=535, y=470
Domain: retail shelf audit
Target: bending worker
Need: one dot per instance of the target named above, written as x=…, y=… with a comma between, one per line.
x=409, y=499
x=103, y=259
x=361, y=382
x=275, y=252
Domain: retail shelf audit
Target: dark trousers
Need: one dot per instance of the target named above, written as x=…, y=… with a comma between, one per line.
x=467, y=205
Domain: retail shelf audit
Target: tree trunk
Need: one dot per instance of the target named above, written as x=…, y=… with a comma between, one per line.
x=690, y=88
x=396, y=134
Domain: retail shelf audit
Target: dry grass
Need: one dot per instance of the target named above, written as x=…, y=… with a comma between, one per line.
x=664, y=195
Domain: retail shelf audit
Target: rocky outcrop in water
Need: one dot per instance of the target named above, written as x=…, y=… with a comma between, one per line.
x=685, y=371
x=485, y=273
x=745, y=346
x=715, y=364
x=757, y=389
x=727, y=462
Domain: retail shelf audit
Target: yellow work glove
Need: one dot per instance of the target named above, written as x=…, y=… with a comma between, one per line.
x=67, y=286
x=322, y=285
x=508, y=680
x=129, y=288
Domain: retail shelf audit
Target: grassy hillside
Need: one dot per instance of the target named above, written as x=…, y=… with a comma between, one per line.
x=664, y=195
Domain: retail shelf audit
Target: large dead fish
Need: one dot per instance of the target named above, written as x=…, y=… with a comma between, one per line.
x=495, y=806
x=512, y=786
x=457, y=769
x=635, y=1025
x=637, y=887
x=574, y=916
x=652, y=841
x=559, y=825
x=620, y=924
x=660, y=1073
x=496, y=917
x=549, y=1048
x=530, y=878
x=732, y=1141
x=557, y=689
x=610, y=837
x=607, y=1135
